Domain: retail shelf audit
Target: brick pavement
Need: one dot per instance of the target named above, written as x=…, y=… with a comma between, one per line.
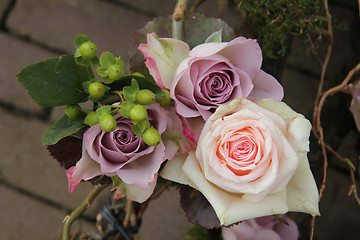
x=34, y=197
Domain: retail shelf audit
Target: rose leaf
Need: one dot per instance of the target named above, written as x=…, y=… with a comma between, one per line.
x=197, y=209
x=60, y=129
x=55, y=81
x=66, y=151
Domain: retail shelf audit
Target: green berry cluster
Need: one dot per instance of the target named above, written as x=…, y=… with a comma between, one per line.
x=118, y=86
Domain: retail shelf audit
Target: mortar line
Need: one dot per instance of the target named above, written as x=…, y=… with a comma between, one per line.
x=42, y=199
x=43, y=116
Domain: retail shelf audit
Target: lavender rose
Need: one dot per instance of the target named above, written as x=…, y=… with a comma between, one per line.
x=263, y=228
x=120, y=153
x=209, y=75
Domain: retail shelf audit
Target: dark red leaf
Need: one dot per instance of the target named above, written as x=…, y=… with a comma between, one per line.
x=66, y=151
x=197, y=208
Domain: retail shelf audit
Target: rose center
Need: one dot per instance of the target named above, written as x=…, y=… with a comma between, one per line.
x=123, y=137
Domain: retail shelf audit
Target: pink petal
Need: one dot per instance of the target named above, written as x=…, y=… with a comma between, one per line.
x=85, y=169
x=266, y=86
x=207, y=49
x=245, y=54
x=163, y=56
x=142, y=171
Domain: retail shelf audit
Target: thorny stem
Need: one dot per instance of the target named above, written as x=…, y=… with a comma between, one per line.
x=79, y=210
x=178, y=18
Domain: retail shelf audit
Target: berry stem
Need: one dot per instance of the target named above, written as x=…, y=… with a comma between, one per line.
x=79, y=210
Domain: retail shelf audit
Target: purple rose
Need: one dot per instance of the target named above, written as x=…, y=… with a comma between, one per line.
x=123, y=154
x=209, y=75
x=262, y=228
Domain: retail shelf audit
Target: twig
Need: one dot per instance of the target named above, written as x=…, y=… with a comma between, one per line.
x=128, y=212
x=327, y=58
x=79, y=210
x=178, y=18
x=196, y=4
x=221, y=7
x=152, y=197
x=317, y=110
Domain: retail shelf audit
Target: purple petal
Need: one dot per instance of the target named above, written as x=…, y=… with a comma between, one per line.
x=245, y=54
x=266, y=86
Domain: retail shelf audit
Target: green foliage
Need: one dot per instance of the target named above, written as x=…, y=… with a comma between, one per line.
x=55, y=81
x=274, y=22
x=61, y=128
x=196, y=233
x=111, y=68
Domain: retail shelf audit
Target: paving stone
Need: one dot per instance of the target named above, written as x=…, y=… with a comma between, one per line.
x=166, y=216
x=166, y=6
x=16, y=54
x=56, y=23
x=3, y=5
x=27, y=164
x=26, y=218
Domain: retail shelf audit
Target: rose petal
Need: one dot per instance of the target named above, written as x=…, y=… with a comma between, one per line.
x=140, y=194
x=245, y=54
x=302, y=194
x=163, y=55
x=266, y=86
x=85, y=169
x=142, y=171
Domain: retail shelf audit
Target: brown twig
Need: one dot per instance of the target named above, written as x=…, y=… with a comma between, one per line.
x=196, y=4
x=152, y=197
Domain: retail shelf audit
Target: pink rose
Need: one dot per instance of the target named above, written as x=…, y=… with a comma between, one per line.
x=251, y=161
x=123, y=154
x=209, y=75
x=262, y=228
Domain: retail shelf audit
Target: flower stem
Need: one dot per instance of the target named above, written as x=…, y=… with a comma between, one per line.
x=178, y=18
x=79, y=210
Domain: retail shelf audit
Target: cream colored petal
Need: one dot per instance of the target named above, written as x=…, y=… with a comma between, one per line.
x=302, y=193
x=231, y=208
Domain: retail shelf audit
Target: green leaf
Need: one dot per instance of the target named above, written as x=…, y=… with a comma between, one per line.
x=55, y=81
x=107, y=59
x=103, y=72
x=125, y=109
x=129, y=94
x=143, y=125
x=80, y=39
x=103, y=110
x=142, y=82
x=215, y=37
x=60, y=129
x=137, y=130
x=134, y=85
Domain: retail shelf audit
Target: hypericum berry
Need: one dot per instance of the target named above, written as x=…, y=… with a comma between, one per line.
x=107, y=123
x=151, y=137
x=166, y=100
x=73, y=111
x=115, y=72
x=138, y=113
x=91, y=119
x=97, y=89
x=88, y=50
x=145, y=97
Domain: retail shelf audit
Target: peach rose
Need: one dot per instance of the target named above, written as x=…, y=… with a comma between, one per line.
x=251, y=161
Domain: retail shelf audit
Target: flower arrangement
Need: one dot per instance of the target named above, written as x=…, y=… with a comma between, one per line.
x=196, y=111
